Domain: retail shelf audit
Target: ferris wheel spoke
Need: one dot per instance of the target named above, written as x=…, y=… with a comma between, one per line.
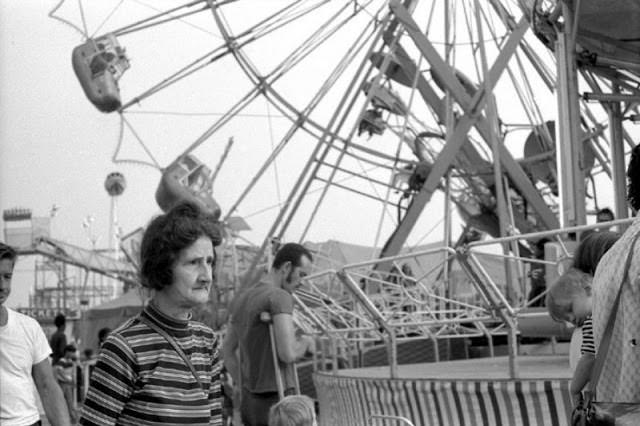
x=300, y=118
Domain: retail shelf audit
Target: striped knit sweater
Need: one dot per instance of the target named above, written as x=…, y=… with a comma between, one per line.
x=139, y=379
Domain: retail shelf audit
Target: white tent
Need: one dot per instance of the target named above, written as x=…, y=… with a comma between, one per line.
x=110, y=314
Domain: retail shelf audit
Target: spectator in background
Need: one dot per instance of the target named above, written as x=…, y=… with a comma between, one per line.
x=24, y=361
x=293, y=410
x=248, y=337
x=58, y=339
x=536, y=273
x=604, y=215
x=64, y=373
x=102, y=335
x=87, y=355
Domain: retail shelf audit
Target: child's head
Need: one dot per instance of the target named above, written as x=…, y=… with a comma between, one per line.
x=70, y=352
x=294, y=410
x=569, y=298
x=102, y=335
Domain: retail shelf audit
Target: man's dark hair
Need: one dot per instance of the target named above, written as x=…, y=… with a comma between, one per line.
x=7, y=252
x=291, y=252
x=591, y=249
x=633, y=179
x=103, y=333
x=167, y=235
x=69, y=348
x=541, y=243
x=605, y=211
x=60, y=320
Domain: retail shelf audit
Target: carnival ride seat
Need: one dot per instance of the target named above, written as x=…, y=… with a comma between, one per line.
x=540, y=152
x=394, y=70
x=384, y=98
x=99, y=63
x=371, y=122
x=607, y=35
x=187, y=179
x=420, y=175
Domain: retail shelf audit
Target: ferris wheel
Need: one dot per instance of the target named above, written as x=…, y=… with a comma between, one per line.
x=357, y=112
x=373, y=86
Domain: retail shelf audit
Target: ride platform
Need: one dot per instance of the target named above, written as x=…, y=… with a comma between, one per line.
x=452, y=393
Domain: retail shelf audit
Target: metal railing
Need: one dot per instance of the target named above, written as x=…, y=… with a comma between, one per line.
x=355, y=305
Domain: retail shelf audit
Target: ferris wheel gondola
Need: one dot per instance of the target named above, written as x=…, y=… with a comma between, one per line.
x=99, y=63
x=187, y=179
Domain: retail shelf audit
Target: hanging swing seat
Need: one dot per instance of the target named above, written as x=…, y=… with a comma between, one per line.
x=99, y=63
x=187, y=179
x=372, y=123
x=385, y=98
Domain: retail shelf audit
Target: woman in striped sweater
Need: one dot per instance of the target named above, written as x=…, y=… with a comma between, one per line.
x=161, y=367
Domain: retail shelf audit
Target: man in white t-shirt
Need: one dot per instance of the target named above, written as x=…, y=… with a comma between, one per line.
x=24, y=361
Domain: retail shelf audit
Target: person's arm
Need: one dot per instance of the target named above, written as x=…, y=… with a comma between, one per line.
x=111, y=385
x=51, y=395
x=582, y=373
x=230, y=353
x=215, y=390
x=289, y=348
x=581, y=376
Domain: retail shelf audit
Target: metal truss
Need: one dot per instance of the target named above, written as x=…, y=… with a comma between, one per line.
x=357, y=303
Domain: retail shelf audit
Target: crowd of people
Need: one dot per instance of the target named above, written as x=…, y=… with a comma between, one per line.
x=162, y=367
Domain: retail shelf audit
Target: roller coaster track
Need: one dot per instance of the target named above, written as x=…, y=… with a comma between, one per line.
x=89, y=260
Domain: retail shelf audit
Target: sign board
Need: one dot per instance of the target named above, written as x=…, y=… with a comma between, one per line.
x=44, y=315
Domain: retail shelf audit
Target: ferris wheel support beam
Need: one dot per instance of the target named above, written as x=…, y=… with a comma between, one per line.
x=473, y=105
x=468, y=154
x=438, y=104
x=472, y=117
x=570, y=152
x=617, y=157
x=446, y=74
x=534, y=59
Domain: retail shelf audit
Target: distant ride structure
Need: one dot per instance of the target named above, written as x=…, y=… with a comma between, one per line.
x=67, y=279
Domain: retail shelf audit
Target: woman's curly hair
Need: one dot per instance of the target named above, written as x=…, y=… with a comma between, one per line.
x=168, y=234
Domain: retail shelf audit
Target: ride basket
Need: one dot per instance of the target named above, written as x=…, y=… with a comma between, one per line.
x=99, y=63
